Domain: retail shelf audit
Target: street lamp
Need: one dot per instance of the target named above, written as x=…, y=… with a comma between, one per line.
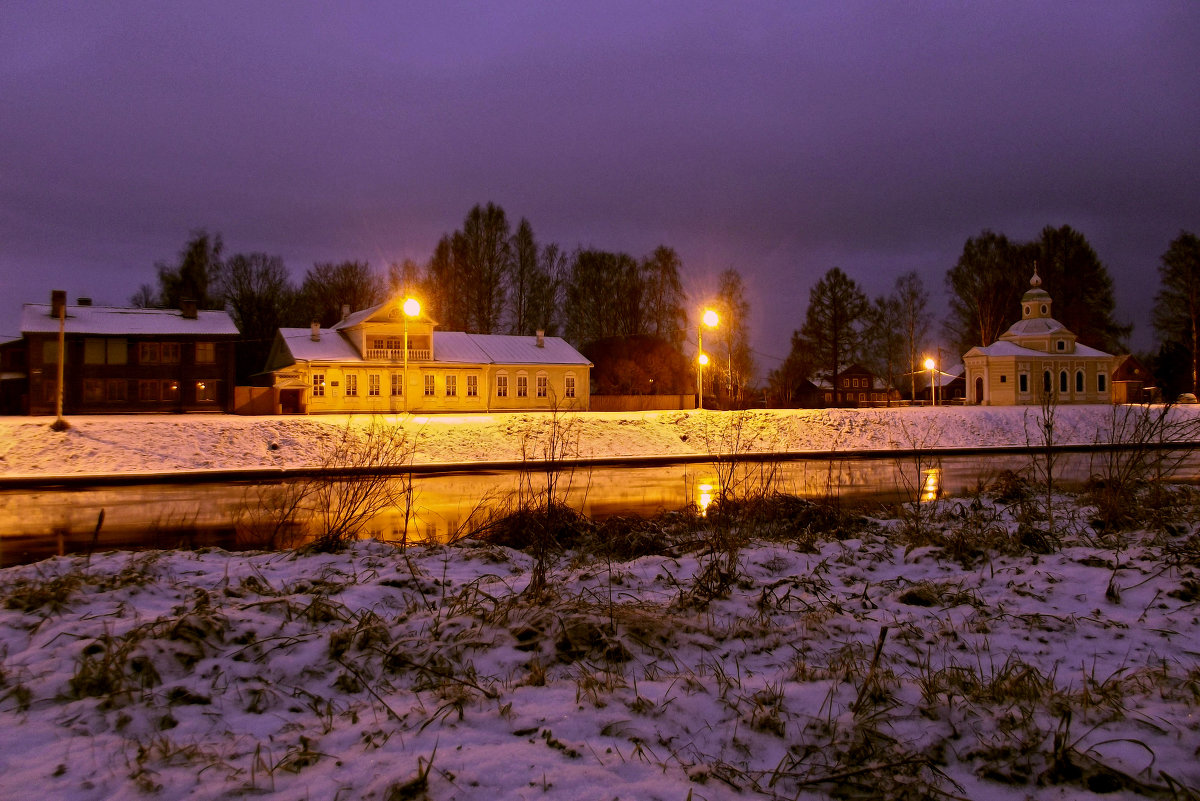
x=710, y=319
x=930, y=365
x=412, y=308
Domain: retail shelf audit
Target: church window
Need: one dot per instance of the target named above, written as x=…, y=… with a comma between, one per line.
x=1079, y=381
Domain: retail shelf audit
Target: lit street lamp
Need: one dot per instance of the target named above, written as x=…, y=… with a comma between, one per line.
x=710, y=319
x=931, y=366
x=412, y=308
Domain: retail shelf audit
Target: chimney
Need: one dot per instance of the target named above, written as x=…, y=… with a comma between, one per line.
x=58, y=303
x=83, y=301
x=187, y=308
x=316, y=332
x=541, y=337
x=345, y=310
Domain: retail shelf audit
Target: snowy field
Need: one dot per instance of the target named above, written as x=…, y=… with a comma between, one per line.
x=848, y=660
x=967, y=649
x=154, y=443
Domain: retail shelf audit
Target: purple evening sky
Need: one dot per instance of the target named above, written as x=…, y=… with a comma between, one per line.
x=780, y=139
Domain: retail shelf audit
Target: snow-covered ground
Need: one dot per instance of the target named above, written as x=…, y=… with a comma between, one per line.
x=126, y=443
x=836, y=667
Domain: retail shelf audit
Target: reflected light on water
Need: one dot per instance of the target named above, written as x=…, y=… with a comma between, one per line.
x=704, y=498
x=931, y=484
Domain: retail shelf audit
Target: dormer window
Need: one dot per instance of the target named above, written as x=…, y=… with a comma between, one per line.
x=1060, y=345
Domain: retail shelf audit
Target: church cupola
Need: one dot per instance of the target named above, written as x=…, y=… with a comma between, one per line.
x=1035, y=303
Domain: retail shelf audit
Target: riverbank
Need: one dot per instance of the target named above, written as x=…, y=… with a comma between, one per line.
x=851, y=658
x=165, y=443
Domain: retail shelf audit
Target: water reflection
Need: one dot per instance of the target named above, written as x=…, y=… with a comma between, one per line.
x=931, y=484
x=37, y=523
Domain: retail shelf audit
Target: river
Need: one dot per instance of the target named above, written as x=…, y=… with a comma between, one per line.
x=41, y=520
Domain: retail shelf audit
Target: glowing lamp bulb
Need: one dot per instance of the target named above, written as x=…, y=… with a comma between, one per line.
x=710, y=318
x=703, y=360
x=412, y=307
x=929, y=364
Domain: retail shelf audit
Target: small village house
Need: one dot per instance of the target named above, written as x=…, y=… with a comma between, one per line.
x=120, y=360
x=388, y=359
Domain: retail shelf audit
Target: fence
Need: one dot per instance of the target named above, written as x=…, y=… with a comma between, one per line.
x=641, y=403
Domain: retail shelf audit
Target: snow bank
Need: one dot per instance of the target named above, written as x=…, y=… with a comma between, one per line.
x=153, y=443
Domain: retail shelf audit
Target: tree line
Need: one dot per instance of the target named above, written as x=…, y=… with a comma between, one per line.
x=482, y=278
x=889, y=334
x=630, y=315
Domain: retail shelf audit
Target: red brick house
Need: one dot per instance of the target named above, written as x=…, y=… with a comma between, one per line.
x=121, y=360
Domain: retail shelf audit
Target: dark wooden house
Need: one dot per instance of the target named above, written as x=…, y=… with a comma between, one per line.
x=1132, y=382
x=121, y=360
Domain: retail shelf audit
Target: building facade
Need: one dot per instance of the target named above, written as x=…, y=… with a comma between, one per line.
x=382, y=360
x=1035, y=359
x=121, y=360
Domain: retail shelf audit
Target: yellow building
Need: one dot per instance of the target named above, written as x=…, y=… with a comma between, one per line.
x=1036, y=357
x=384, y=361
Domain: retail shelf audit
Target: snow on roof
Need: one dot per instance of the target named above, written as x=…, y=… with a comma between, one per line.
x=1005, y=348
x=524, y=350
x=950, y=375
x=116, y=320
x=458, y=347
x=358, y=316
x=332, y=348
x=1035, y=326
x=364, y=315
x=451, y=347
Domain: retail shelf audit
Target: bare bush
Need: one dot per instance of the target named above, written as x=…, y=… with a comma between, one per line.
x=358, y=480
x=1130, y=475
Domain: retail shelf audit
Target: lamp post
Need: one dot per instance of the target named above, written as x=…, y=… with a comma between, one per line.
x=931, y=366
x=58, y=307
x=710, y=319
x=412, y=308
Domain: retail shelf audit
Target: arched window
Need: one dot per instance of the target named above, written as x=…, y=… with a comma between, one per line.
x=1046, y=386
x=1079, y=381
x=1062, y=381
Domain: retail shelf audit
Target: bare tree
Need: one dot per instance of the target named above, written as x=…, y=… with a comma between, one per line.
x=884, y=339
x=662, y=297
x=405, y=278
x=913, y=320
x=734, y=311
x=329, y=286
x=483, y=255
